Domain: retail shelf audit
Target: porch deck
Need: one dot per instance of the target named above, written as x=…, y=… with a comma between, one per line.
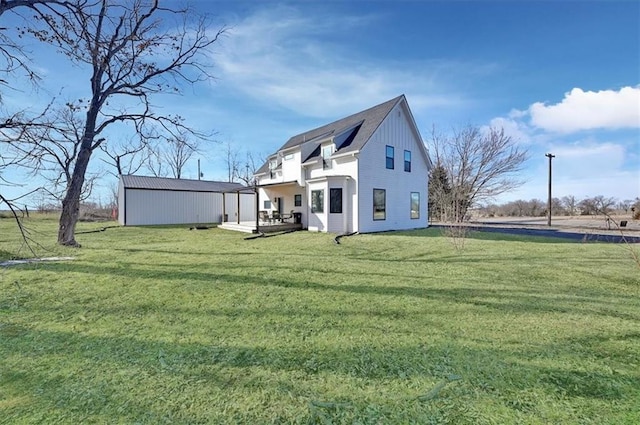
x=265, y=227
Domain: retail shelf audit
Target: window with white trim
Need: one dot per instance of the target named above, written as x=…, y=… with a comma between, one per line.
x=390, y=157
x=317, y=201
x=415, y=205
x=335, y=200
x=379, y=204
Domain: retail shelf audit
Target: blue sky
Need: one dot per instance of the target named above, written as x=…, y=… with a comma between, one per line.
x=560, y=77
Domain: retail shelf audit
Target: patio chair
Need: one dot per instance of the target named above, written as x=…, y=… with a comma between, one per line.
x=264, y=217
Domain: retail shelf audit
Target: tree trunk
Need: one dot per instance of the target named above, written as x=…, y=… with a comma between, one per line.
x=71, y=201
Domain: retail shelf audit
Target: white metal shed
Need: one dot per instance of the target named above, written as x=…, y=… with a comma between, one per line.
x=144, y=200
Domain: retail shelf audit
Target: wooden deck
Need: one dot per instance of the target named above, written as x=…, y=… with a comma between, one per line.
x=250, y=227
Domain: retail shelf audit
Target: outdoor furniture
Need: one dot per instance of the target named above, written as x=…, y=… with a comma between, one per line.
x=264, y=217
x=285, y=217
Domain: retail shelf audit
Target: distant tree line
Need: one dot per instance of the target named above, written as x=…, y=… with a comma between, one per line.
x=565, y=206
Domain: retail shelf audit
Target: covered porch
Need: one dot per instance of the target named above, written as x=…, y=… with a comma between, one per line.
x=276, y=207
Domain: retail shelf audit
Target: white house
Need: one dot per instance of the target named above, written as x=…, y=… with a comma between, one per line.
x=367, y=172
x=144, y=200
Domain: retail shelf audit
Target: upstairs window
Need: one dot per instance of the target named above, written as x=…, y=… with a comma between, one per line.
x=390, y=155
x=407, y=161
x=326, y=157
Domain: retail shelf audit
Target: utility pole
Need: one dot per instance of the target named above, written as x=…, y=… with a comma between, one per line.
x=199, y=173
x=550, y=156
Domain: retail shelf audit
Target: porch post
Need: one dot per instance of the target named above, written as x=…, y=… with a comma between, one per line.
x=257, y=198
x=238, y=193
x=224, y=206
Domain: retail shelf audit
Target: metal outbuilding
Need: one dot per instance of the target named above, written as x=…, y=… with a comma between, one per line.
x=144, y=200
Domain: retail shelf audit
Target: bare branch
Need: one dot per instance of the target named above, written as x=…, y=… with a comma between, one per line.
x=471, y=167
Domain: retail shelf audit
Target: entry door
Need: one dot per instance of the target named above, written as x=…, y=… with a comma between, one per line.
x=280, y=204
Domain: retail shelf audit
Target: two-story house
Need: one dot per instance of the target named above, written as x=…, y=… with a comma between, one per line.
x=367, y=172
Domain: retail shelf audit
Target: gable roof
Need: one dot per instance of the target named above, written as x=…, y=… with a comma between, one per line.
x=163, y=183
x=370, y=119
x=351, y=132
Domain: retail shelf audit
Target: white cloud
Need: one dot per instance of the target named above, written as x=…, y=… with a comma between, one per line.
x=517, y=130
x=587, y=110
x=280, y=56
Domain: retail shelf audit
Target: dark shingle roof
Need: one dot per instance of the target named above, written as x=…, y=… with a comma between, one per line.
x=163, y=183
x=361, y=127
x=370, y=118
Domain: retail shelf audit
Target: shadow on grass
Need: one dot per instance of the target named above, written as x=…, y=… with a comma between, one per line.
x=438, y=231
x=549, y=236
x=523, y=300
x=198, y=361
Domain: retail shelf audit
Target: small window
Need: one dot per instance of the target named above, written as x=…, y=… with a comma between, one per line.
x=379, y=204
x=390, y=155
x=297, y=200
x=415, y=205
x=326, y=157
x=289, y=156
x=335, y=201
x=267, y=205
x=407, y=161
x=317, y=201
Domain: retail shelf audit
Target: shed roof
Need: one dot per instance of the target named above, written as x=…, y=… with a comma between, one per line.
x=164, y=183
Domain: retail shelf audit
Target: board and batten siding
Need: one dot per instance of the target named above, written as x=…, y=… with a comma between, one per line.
x=342, y=174
x=395, y=131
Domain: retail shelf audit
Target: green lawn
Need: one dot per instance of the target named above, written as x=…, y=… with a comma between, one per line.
x=167, y=325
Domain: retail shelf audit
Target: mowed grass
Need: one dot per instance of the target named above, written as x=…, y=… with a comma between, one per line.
x=166, y=325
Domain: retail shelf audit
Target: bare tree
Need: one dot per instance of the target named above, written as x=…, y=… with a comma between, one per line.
x=126, y=157
x=131, y=56
x=624, y=205
x=480, y=165
x=570, y=204
x=231, y=162
x=178, y=152
x=253, y=161
x=603, y=204
x=12, y=54
x=588, y=206
x=50, y=148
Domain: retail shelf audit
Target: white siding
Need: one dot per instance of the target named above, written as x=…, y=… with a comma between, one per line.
x=395, y=131
x=247, y=207
x=336, y=177
x=121, y=203
x=147, y=207
x=317, y=222
x=139, y=207
x=291, y=170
